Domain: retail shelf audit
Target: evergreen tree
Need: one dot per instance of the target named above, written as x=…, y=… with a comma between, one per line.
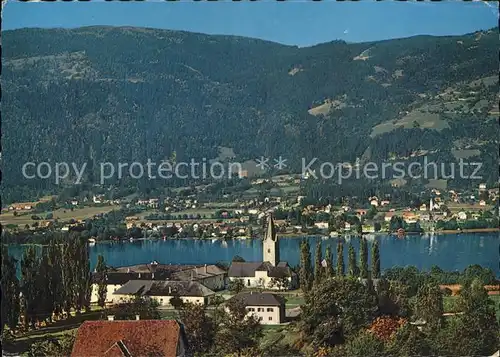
x=352, y=267
x=305, y=272
x=375, y=262
x=29, y=273
x=329, y=272
x=68, y=276
x=340, y=259
x=55, y=271
x=363, y=258
x=10, y=291
x=102, y=288
x=318, y=267
x=45, y=300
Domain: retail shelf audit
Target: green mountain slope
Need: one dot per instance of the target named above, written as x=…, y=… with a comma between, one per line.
x=100, y=94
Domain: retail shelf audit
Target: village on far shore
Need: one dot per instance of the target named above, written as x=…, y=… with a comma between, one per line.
x=188, y=213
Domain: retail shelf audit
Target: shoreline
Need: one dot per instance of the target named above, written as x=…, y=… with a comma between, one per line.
x=293, y=236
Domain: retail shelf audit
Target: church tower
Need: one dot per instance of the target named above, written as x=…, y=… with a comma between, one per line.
x=270, y=243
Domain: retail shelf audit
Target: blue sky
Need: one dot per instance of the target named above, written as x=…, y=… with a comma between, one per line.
x=292, y=22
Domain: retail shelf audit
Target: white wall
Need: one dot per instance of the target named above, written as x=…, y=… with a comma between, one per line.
x=109, y=295
x=268, y=315
x=164, y=301
x=258, y=281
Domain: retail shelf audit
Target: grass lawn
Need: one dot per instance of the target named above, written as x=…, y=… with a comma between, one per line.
x=294, y=301
x=60, y=214
x=449, y=303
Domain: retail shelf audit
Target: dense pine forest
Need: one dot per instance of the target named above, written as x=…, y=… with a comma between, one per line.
x=119, y=94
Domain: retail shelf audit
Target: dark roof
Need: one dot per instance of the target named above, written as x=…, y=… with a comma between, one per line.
x=127, y=338
x=198, y=273
x=164, y=288
x=259, y=299
x=121, y=275
x=244, y=269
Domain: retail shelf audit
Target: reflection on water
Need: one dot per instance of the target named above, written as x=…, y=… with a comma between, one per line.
x=449, y=252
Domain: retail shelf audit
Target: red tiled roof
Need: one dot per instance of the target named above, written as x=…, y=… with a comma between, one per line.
x=137, y=337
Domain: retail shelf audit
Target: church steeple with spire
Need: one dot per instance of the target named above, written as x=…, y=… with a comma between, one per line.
x=271, y=247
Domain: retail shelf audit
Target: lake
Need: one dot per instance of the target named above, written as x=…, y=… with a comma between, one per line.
x=448, y=251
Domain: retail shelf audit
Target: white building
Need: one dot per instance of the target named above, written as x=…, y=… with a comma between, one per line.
x=164, y=291
x=271, y=272
x=267, y=307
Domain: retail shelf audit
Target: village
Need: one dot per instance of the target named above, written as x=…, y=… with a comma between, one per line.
x=188, y=213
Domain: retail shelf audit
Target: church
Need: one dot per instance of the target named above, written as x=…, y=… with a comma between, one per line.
x=270, y=273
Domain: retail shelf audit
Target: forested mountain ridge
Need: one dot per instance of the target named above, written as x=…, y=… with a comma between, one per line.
x=124, y=94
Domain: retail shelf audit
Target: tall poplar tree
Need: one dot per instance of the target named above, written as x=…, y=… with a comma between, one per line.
x=375, y=263
x=68, y=276
x=45, y=300
x=305, y=272
x=29, y=288
x=56, y=278
x=318, y=267
x=352, y=267
x=340, y=259
x=363, y=258
x=10, y=291
x=101, y=281
x=329, y=272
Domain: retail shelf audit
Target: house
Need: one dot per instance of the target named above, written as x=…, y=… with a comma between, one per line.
x=163, y=291
x=410, y=217
x=270, y=270
x=321, y=225
x=211, y=276
x=423, y=207
x=425, y=217
x=388, y=216
x=347, y=226
x=385, y=203
x=462, y=215
x=374, y=202
x=130, y=338
x=267, y=307
x=482, y=186
x=482, y=203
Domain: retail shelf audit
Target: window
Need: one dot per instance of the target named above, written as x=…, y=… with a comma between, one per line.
x=270, y=318
x=260, y=318
x=161, y=301
x=248, y=282
x=251, y=309
x=260, y=309
x=269, y=250
x=270, y=309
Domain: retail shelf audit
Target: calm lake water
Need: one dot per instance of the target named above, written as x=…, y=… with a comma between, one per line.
x=449, y=252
